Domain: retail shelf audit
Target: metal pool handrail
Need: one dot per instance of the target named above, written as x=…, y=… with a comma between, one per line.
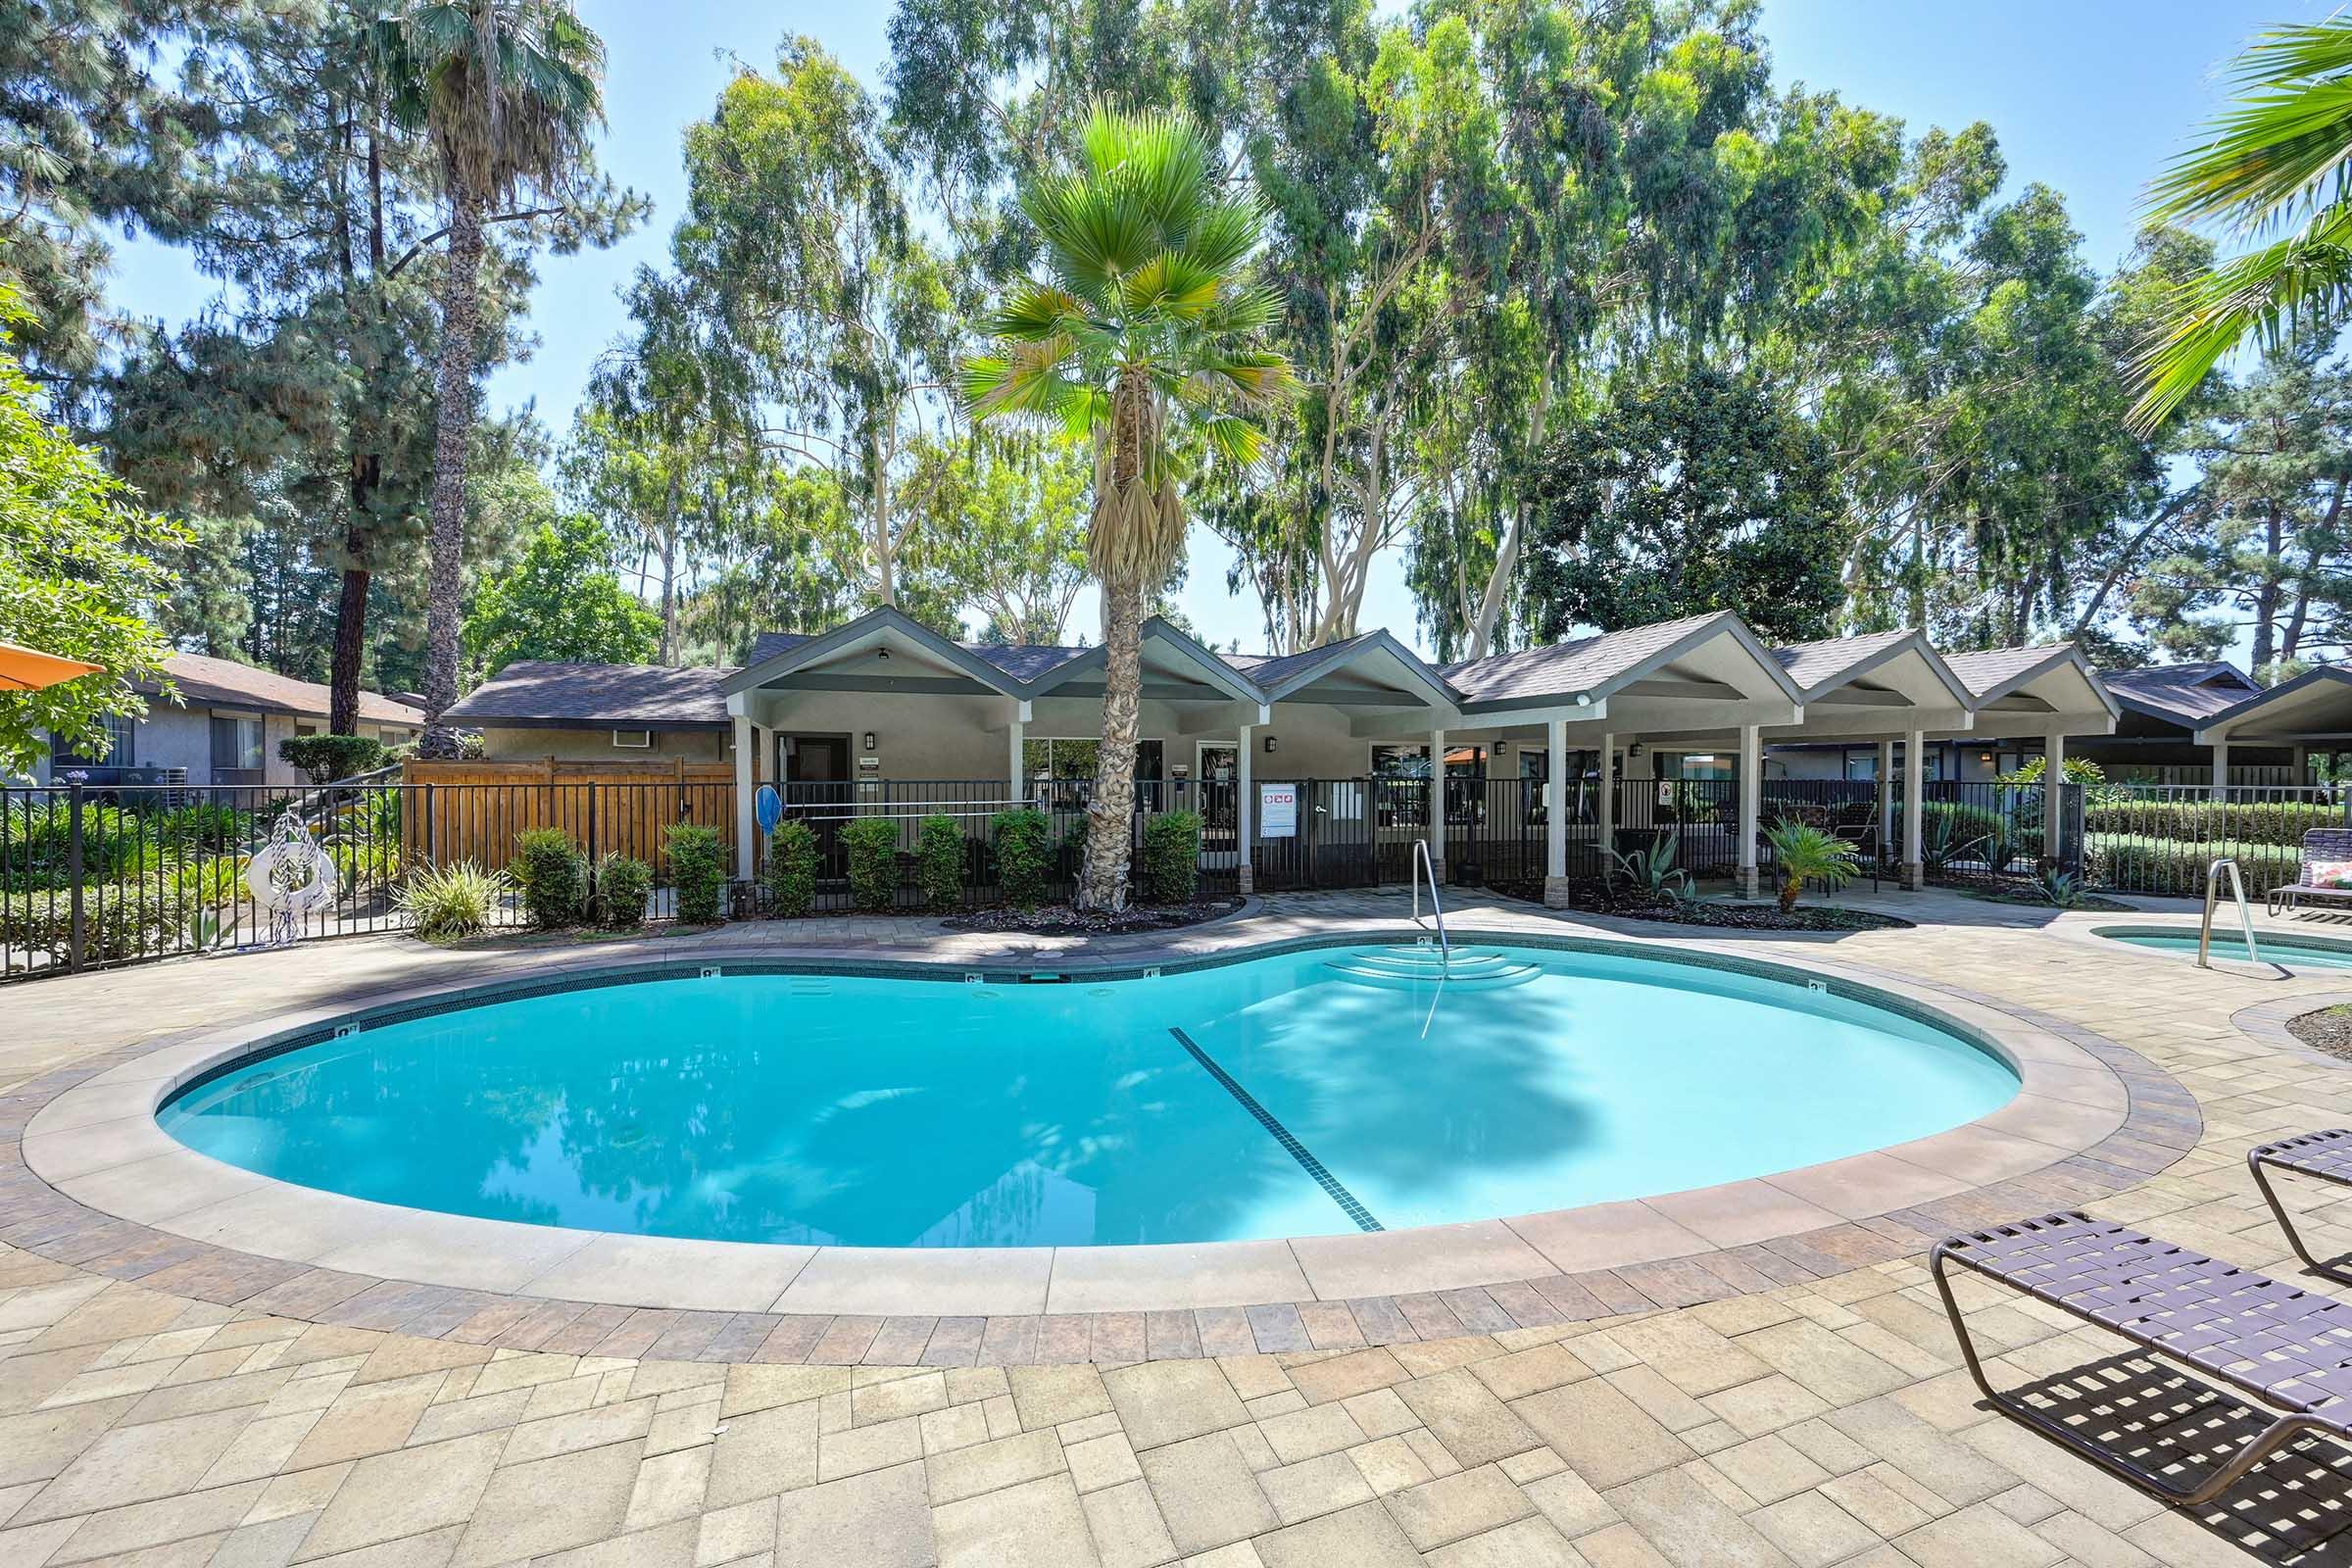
x=1422, y=862
x=2245, y=916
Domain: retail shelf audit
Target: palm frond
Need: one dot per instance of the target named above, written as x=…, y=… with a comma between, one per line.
x=1171, y=283
x=1235, y=439
x=2303, y=283
x=1027, y=379
x=1035, y=310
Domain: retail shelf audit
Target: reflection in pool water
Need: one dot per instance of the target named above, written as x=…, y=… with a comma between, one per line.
x=918, y=1114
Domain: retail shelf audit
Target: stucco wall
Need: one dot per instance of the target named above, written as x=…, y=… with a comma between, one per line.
x=596, y=746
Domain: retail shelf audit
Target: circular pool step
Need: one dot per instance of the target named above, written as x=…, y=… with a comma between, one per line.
x=1401, y=968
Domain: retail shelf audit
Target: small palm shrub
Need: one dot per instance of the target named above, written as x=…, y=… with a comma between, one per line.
x=792, y=868
x=872, y=843
x=1172, y=858
x=698, y=870
x=554, y=875
x=619, y=886
x=1803, y=853
x=939, y=861
x=1023, y=839
x=444, y=903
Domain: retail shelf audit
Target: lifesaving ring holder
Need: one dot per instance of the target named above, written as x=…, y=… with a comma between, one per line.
x=289, y=877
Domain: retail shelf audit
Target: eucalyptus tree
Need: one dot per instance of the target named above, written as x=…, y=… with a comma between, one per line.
x=838, y=317
x=508, y=93
x=1006, y=531
x=1145, y=333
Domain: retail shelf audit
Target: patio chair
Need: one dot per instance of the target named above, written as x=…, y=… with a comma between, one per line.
x=2327, y=857
x=2288, y=1350
x=2326, y=1157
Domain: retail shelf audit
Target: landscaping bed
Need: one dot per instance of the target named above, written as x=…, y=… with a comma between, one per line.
x=1062, y=920
x=1591, y=898
x=2329, y=1029
x=2019, y=890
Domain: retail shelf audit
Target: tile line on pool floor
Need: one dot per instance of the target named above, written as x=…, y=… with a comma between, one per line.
x=1337, y=1190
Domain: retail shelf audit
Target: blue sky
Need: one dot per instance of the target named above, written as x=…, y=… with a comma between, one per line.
x=2088, y=96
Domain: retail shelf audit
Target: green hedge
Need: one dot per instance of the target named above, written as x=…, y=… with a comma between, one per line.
x=790, y=869
x=1023, y=839
x=1172, y=869
x=698, y=870
x=939, y=861
x=553, y=874
x=2196, y=822
x=622, y=886
x=117, y=922
x=2131, y=863
x=872, y=844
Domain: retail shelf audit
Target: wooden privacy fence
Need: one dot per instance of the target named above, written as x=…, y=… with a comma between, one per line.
x=473, y=811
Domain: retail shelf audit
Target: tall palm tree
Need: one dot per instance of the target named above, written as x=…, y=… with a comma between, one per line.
x=1143, y=338
x=508, y=92
x=2275, y=167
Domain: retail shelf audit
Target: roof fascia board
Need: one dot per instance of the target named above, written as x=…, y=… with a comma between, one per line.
x=885, y=619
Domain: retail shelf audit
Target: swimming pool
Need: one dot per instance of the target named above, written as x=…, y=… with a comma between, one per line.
x=2297, y=951
x=1314, y=1091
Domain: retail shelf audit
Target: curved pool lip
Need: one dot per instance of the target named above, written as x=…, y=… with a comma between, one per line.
x=99, y=1145
x=2270, y=937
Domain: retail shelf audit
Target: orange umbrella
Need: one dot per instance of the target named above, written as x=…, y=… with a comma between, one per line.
x=25, y=669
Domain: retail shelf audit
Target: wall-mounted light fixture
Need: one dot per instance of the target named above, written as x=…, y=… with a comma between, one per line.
x=869, y=739
x=1270, y=745
x=882, y=655
x=1632, y=750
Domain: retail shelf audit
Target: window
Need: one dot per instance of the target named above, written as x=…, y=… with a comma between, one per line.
x=236, y=746
x=1399, y=761
x=115, y=749
x=1069, y=764
x=633, y=738
x=1862, y=765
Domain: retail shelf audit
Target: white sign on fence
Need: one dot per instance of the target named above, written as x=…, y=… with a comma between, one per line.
x=1278, y=810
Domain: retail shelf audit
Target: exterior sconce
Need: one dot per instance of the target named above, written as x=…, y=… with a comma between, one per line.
x=869, y=739
x=1270, y=745
x=1632, y=750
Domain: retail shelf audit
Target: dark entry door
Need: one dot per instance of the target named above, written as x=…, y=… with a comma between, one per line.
x=816, y=759
x=817, y=787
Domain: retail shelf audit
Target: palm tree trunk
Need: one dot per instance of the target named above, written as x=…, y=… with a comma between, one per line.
x=1103, y=885
x=461, y=327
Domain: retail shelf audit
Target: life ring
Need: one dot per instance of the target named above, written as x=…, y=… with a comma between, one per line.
x=317, y=890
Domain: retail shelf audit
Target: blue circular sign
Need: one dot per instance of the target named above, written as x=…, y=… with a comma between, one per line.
x=768, y=807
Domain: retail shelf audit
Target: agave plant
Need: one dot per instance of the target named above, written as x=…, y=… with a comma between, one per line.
x=1653, y=870
x=1805, y=853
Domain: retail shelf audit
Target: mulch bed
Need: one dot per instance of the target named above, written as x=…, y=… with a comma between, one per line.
x=2330, y=1029
x=1589, y=898
x=1062, y=920
x=2018, y=890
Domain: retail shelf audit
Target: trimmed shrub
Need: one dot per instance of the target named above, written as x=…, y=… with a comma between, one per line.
x=1022, y=838
x=940, y=857
x=698, y=870
x=554, y=875
x=873, y=845
x=444, y=903
x=618, y=890
x=2132, y=863
x=325, y=759
x=2202, y=821
x=792, y=868
x=1172, y=869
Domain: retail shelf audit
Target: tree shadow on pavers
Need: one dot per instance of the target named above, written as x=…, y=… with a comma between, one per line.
x=2295, y=1508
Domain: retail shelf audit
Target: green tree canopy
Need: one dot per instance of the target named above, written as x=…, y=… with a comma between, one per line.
x=78, y=572
x=560, y=603
x=1706, y=493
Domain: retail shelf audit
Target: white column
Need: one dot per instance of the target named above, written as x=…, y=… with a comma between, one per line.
x=1886, y=812
x=1751, y=796
x=1555, y=815
x=2220, y=770
x=1016, y=786
x=1435, y=828
x=1245, y=812
x=1609, y=805
x=747, y=824
x=1915, y=793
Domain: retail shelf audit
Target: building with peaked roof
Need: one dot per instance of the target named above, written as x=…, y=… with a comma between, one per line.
x=884, y=705
x=222, y=726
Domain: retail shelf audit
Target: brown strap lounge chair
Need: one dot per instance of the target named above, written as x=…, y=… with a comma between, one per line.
x=2287, y=1348
x=2321, y=845
x=2326, y=1157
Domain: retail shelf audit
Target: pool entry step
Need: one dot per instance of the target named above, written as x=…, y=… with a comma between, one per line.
x=1401, y=968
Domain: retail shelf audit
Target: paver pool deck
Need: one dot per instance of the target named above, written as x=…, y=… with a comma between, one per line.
x=1793, y=1399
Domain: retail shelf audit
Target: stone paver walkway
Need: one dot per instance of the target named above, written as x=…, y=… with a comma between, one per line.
x=1819, y=1423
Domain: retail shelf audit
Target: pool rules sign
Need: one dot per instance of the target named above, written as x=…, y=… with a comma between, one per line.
x=1278, y=810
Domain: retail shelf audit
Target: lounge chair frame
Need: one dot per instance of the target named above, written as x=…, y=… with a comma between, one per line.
x=2323, y=1156
x=2319, y=844
x=2124, y=1281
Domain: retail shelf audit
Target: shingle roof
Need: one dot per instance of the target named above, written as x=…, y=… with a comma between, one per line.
x=1270, y=670
x=769, y=644
x=1564, y=669
x=595, y=695
x=2182, y=691
x=204, y=681
x=1024, y=662
x=1809, y=664
x=1982, y=671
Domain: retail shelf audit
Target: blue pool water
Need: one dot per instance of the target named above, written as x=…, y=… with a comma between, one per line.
x=2233, y=946
x=919, y=1113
